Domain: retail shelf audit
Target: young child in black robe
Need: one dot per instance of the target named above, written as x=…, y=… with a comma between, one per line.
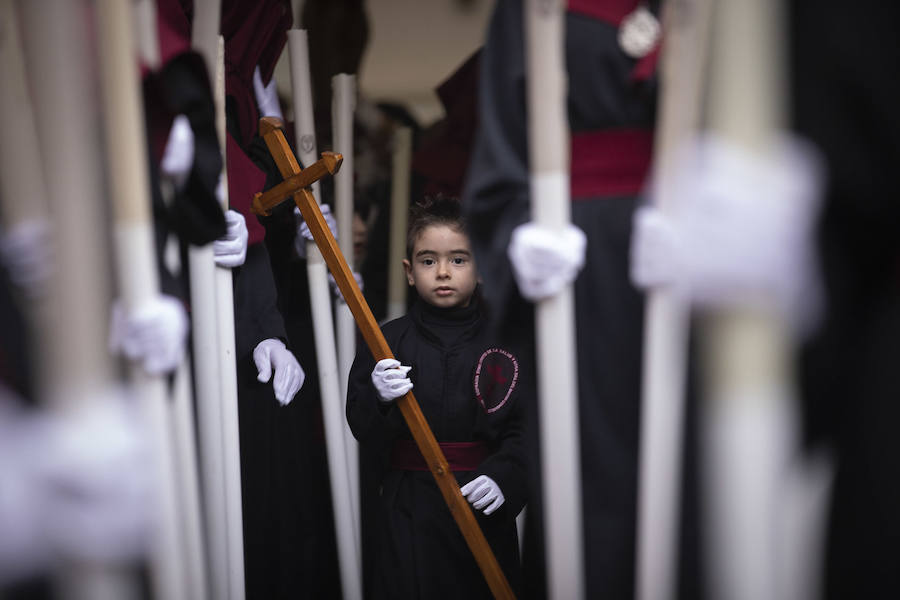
x=472, y=392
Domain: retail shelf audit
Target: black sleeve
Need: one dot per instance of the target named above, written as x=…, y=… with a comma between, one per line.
x=256, y=316
x=495, y=196
x=373, y=423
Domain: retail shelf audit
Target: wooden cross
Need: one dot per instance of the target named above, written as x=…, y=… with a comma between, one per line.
x=296, y=184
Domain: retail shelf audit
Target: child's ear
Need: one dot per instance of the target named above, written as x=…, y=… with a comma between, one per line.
x=408, y=268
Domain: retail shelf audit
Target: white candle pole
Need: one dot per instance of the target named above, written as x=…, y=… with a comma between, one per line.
x=343, y=105
x=548, y=145
x=323, y=328
x=207, y=365
x=231, y=440
x=180, y=405
x=129, y=184
x=77, y=370
x=400, y=162
x=746, y=416
x=666, y=315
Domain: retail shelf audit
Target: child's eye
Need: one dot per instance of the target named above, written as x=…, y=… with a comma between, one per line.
x=427, y=261
x=458, y=260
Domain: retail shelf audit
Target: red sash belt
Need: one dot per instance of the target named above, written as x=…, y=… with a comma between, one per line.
x=610, y=162
x=461, y=456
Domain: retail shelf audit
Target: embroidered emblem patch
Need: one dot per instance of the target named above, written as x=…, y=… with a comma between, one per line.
x=495, y=378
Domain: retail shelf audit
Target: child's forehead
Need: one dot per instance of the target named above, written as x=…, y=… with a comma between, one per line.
x=441, y=236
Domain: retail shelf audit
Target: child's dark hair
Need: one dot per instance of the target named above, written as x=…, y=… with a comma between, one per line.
x=433, y=210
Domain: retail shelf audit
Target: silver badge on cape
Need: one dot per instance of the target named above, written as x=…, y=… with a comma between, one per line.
x=639, y=32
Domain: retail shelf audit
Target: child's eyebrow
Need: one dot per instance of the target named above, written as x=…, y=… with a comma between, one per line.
x=423, y=252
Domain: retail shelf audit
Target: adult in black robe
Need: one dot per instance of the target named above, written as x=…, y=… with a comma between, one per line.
x=289, y=547
x=845, y=99
x=611, y=110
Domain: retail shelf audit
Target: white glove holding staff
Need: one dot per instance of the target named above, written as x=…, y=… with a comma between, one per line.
x=304, y=234
x=230, y=250
x=153, y=334
x=545, y=261
x=740, y=230
x=289, y=375
x=266, y=96
x=178, y=156
x=391, y=379
x=483, y=493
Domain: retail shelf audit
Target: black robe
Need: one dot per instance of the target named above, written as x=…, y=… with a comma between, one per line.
x=609, y=95
x=420, y=552
x=845, y=99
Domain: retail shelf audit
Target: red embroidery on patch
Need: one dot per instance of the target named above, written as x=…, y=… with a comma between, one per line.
x=497, y=359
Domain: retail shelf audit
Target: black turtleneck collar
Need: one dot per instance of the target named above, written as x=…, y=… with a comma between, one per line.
x=448, y=326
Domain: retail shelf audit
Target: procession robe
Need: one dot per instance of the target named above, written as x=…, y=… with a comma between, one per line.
x=611, y=111
x=472, y=393
x=289, y=545
x=845, y=100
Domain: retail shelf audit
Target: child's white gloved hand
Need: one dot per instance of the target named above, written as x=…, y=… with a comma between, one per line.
x=483, y=492
x=289, y=375
x=266, y=96
x=545, y=261
x=305, y=235
x=390, y=379
x=230, y=250
x=178, y=156
x=153, y=334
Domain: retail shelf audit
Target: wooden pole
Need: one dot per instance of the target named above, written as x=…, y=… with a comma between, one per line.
x=77, y=370
x=343, y=106
x=345, y=519
x=746, y=413
x=129, y=181
x=400, y=161
x=371, y=333
x=208, y=377
x=548, y=145
x=666, y=314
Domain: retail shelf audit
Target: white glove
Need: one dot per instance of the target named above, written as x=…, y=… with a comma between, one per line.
x=289, y=375
x=178, y=156
x=740, y=231
x=230, y=250
x=483, y=492
x=336, y=291
x=391, y=379
x=98, y=483
x=545, y=261
x=266, y=96
x=27, y=251
x=153, y=334
x=656, y=253
x=303, y=232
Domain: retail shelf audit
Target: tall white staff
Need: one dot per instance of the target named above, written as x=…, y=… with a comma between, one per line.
x=744, y=350
x=126, y=157
x=548, y=153
x=77, y=370
x=181, y=397
x=666, y=314
x=343, y=105
x=218, y=443
x=228, y=371
x=400, y=166
x=349, y=555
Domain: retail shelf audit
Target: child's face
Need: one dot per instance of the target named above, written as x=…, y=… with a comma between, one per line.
x=442, y=267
